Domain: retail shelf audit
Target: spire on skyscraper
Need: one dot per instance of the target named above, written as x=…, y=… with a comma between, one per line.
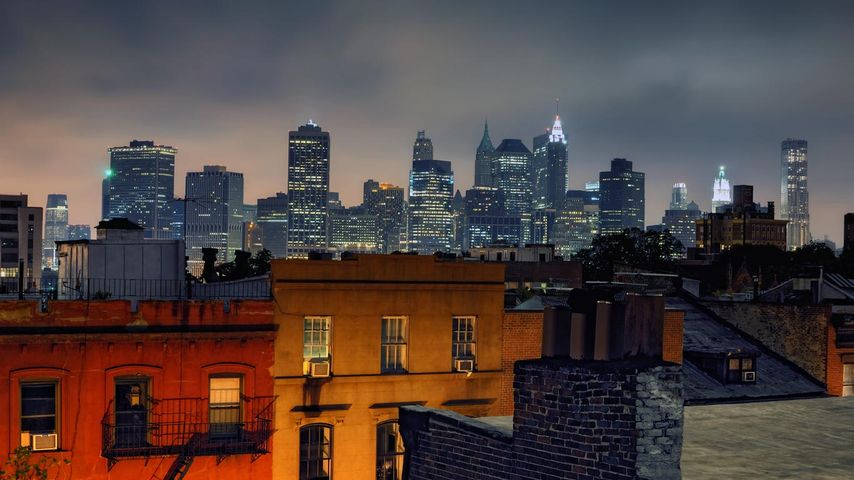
x=485, y=141
x=557, y=129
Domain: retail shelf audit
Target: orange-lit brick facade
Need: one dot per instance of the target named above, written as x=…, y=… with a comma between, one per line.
x=674, y=336
x=836, y=358
x=86, y=349
x=521, y=339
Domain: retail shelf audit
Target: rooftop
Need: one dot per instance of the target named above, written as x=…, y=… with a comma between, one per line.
x=783, y=439
x=774, y=377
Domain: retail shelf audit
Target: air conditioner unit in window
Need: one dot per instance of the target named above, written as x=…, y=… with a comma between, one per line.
x=44, y=442
x=748, y=376
x=464, y=365
x=319, y=368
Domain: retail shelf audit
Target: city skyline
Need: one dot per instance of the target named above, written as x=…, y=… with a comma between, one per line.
x=686, y=110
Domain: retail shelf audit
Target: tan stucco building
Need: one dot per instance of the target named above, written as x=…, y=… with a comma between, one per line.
x=389, y=330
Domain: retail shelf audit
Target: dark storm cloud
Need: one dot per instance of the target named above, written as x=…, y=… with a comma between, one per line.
x=678, y=88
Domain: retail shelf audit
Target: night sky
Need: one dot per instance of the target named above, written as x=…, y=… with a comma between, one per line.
x=677, y=89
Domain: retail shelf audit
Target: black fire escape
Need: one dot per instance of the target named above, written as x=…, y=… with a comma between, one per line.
x=187, y=428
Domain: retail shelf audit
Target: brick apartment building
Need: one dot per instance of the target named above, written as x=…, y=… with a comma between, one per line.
x=139, y=393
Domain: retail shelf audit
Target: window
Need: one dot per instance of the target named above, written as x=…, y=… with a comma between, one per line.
x=224, y=406
x=316, y=344
x=315, y=452
x=393, y=347
x=389, y=451
x=38, y=408
x=737, y=367
x=464, y=339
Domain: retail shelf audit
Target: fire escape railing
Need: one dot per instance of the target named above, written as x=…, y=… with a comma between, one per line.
x=188, y=427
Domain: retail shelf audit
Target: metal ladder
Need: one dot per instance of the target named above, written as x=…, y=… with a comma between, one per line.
x=184, y=461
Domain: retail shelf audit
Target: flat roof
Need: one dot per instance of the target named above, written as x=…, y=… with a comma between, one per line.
x=782, y=439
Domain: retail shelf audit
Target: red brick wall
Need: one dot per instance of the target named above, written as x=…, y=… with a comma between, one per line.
x=86, y=364
x=521, y=339
x=834, y=362
x=673, y=336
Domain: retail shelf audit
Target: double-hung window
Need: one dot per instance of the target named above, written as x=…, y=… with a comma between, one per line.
x=38, y=412
x=315, y=452
x=394, y=336
x=317, y=340
x=224, y=406
x=464, y=339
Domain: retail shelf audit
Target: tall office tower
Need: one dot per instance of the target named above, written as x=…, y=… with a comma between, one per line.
x=576, y=223
x=354, y=230
x=458, y=209
x=423, y=147
x=848, y=232
x=483, y=160
x=542, y=225
x=272, y=220
x=592, y=205
x=176, y=224
x=142, y=184
x=485, y=220
x=308, y=190
x=214, y=214
x=55, y=227
x=511, y=172
x=385, y=202
x=679, y=197
x=681, y=222
x=721, y=192
x=621, y=198
x=20, y=238
x=431, y=193
x=250, y=212
x=483, y=200
x=550, y=167
x=79, y=232
x=794, y=196
x=105, y=194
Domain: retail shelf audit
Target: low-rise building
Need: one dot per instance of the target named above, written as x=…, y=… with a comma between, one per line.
x=360, y=337
x=742, y=223
x=166, y=390
x=121, y=263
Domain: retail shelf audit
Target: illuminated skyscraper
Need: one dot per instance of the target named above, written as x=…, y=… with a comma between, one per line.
x=79, y=232
x=794, y=197
x=679, y=197
x=483, y=160
x=214, y=214
x=681, y=222
x=20, y=237
x=308, y=190
x=511, y=172
x=550, y=167
x=55, y=227
x=721, y=191
x=141, y=182
x=621, y=198
x=272, y=220
x=354, y=230
x=385, y=202
x=431, y=193
x=423, y=147
x=576, y=223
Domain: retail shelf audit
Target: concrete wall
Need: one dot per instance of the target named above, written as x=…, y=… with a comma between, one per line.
x=582, y=420
x=796, y=332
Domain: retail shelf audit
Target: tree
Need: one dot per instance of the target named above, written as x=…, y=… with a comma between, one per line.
x=260, y=263
x=653, y=250
x=21, y=466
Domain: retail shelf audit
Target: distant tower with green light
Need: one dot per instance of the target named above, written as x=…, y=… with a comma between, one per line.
x=105, y=195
